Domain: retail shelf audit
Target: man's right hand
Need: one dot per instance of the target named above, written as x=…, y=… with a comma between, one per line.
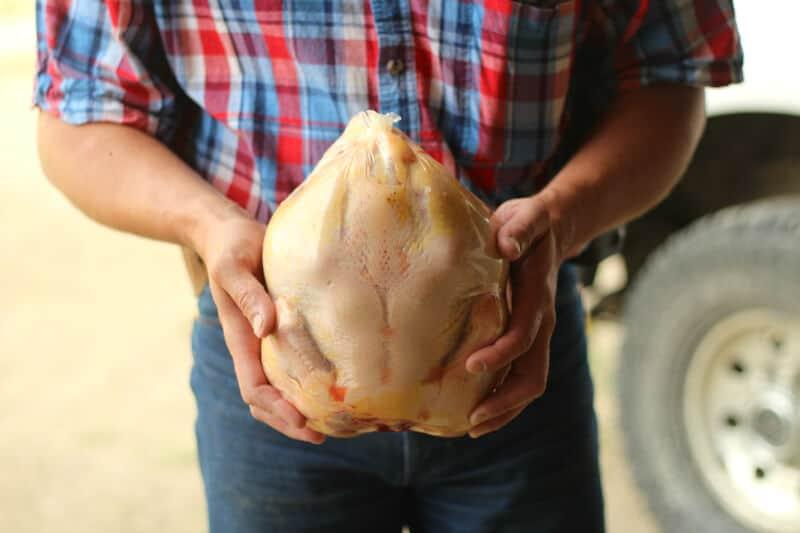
x=232, y=253
x=126, y=179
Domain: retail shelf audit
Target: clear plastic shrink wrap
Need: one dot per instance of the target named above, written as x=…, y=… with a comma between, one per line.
x=385, y=276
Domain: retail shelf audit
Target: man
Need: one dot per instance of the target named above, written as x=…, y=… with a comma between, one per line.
x=190, y=121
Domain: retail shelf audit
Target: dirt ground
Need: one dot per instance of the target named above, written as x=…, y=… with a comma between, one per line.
x=95, y=408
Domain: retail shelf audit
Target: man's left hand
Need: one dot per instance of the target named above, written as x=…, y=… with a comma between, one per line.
x=525, y=237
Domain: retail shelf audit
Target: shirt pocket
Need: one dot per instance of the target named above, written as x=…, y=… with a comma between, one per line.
x=523, y=58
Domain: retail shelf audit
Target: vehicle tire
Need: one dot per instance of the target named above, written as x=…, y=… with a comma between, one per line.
x=709, y=374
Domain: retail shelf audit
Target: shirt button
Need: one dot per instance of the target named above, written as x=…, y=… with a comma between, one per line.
x=395, y=67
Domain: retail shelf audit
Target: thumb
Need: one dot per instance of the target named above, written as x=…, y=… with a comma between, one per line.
x=251, y=298
x=528, y=220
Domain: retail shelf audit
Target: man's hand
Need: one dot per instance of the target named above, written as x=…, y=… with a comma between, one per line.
x=525, y=237
x=232, y=254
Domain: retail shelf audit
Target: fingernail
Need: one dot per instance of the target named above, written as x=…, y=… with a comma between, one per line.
x=477, y=366
x=258, y=324
x=479, y=417
x=517, y=247
x=315, y=438
x=476, y=434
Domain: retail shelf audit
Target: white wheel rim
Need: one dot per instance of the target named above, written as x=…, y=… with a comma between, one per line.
x=741, y=408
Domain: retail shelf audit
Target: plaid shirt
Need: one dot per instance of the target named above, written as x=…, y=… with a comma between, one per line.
x=251, y=93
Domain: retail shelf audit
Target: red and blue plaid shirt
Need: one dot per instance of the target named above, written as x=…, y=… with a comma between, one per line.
x=251, y=92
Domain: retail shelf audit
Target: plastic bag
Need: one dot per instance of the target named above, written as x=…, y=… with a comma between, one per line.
x=385, y=277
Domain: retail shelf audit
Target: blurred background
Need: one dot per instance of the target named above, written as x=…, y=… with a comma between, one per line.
x=97, y=416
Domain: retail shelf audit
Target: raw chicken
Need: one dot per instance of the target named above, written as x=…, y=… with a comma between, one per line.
x=385, y=277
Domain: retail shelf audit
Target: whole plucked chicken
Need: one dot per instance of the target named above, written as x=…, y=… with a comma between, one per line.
x=385, y=277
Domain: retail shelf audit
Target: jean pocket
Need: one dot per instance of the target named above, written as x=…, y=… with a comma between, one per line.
x=209, y=350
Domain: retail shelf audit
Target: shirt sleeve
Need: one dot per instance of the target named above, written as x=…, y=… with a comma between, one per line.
x=688, y=42
x=102, y=61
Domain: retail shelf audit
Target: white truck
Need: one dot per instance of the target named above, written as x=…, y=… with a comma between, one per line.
x=709, y=378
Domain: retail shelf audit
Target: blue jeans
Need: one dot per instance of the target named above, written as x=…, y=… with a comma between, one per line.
x=538, y=474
